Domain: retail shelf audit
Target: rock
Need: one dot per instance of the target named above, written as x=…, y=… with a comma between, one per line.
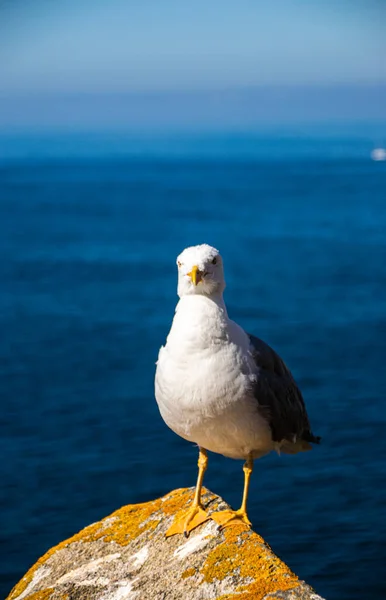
x=126, y=556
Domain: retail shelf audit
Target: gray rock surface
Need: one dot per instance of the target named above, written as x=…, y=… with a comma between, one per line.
x=127, y=557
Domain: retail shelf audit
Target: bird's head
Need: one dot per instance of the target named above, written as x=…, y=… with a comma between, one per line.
x=200, y=271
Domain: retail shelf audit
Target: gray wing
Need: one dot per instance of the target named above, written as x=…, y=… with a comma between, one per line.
x=278, y=396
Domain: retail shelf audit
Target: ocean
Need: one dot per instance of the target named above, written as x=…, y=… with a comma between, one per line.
x=90, y=227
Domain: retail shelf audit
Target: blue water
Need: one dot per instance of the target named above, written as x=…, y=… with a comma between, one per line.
x=89, y=233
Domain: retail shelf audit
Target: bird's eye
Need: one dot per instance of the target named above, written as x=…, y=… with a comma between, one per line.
x=179, y=263
x=214, y=261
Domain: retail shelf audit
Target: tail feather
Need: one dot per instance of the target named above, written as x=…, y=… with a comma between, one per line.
x=302, y=444
x=295, y=447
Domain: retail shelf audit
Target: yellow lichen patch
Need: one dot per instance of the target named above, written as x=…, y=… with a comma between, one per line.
x=253, y=560
x=214, y=506
x=46, y=595
x=43, y=595
x=176, y=501
x=188, y=573
x=121, y=527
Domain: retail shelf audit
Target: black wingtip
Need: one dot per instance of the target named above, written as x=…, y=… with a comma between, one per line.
x=310, y=437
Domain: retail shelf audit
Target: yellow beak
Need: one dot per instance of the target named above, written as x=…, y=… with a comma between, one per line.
x=195, y=275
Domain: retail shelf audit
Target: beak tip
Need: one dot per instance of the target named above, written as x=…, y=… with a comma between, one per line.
x=195, y=275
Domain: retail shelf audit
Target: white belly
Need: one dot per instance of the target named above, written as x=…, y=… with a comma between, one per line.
x=207, y=399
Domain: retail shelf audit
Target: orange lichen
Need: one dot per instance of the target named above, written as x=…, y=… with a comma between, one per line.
x=46, y=595
x=129, y=522
x=43, y=595
x=188, y=573
x=253, y=560
x=176, y=501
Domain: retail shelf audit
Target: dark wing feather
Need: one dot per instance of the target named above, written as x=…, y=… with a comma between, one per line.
x=278, y=396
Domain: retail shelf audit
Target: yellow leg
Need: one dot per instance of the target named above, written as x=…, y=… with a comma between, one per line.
x=195, y=515
x=226, y=518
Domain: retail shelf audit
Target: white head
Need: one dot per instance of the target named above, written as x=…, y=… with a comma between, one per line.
x=200, y=271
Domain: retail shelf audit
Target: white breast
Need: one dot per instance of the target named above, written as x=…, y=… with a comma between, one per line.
x=204, y=382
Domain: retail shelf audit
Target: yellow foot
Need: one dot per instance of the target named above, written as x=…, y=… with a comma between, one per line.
x=226, y=518
x=189, y=520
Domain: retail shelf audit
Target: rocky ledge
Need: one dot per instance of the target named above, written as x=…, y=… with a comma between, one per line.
x=126, y=556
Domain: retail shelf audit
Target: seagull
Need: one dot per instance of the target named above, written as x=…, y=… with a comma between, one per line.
x=222, y=388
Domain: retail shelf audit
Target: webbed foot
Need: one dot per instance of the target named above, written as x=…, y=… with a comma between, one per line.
x=188, y=521
x=226, y=518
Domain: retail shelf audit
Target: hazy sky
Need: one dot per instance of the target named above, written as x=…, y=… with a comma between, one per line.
x=123, y=45
x=93, y=64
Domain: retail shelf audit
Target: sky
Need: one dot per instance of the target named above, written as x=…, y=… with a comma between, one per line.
x=62, y=48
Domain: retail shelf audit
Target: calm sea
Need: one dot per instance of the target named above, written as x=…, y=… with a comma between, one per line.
x=89, y=230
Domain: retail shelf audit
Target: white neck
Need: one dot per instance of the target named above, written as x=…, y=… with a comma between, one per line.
x=202, y=306
x=199, y=321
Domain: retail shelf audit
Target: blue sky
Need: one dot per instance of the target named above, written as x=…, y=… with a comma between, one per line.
x=120, y=45
x=64, y=47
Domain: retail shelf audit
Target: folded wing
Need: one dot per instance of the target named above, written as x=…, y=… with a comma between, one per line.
x=280, y=400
